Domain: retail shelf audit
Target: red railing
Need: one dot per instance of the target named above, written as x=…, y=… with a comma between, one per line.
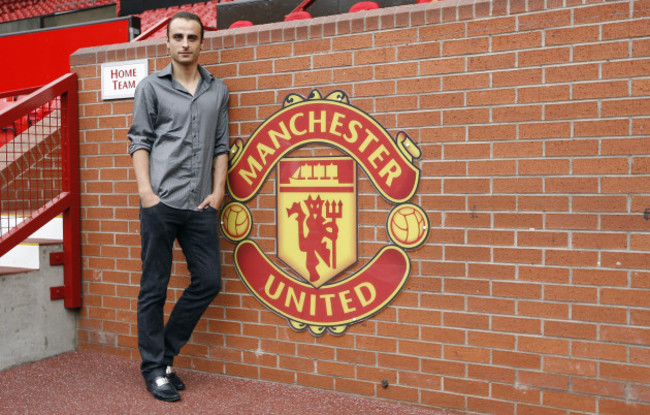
x=39, y=174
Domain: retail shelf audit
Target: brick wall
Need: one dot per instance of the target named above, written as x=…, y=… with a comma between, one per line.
x=532, y=294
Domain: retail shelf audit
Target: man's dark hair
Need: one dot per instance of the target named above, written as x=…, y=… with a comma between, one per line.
x=186, y=16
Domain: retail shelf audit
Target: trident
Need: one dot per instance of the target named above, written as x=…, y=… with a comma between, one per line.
x=333, y=212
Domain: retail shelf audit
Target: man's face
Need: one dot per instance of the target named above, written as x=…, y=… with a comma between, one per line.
x=184, y=41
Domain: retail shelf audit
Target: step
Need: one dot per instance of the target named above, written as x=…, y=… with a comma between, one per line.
x=13, y=270
x=24, y=256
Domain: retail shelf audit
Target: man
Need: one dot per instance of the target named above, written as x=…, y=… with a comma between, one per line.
x=179, y=145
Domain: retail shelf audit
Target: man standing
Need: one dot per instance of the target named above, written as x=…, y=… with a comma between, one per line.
x=179, y=145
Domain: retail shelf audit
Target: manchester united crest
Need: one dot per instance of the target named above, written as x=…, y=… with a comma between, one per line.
x=317, y=213
x=317, y=216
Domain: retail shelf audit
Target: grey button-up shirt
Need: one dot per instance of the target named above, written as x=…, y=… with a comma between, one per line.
x=182, y=133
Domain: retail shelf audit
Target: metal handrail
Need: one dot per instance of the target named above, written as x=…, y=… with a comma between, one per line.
x=67, y=202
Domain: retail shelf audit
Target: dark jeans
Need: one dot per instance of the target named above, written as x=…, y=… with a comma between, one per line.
x=198, y=236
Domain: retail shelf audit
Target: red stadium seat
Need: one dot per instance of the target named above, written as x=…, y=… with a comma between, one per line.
x=363, y=5
x=299, y=15
x=240, y=23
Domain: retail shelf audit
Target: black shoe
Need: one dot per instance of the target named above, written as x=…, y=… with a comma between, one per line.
x=161, y=388
x=173, y=378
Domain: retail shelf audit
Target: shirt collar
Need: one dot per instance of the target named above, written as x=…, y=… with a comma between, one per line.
x=167, y=72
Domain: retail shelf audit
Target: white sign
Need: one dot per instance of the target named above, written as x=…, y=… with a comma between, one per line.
x=119, y=79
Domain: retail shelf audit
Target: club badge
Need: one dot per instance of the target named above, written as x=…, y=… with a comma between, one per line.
x=316, y=215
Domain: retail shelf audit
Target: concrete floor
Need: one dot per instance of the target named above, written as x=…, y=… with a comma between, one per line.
x=89, y=383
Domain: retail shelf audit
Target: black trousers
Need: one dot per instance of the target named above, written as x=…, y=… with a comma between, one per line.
x=197, y=234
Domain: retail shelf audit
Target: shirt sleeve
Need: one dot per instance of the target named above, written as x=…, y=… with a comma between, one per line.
x=142, y=133
x=222, y=142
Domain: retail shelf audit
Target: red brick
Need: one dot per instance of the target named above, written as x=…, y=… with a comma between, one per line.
x=277, y=375
x=465, y=116
x=629, y=373
x=491, y=97
x=601, y=89
x=600, y=277
x=598, y=387
x=524, y=40
x=641, y=392
x=392, y=37
x=572, y=258
x=624, y=146
x=325, y=382
x=419, y=51
x=600, y=51
x=452, y=186
x=641, y=165
x=546, y=56
x=544, y=380
x=516, y=149
x=489, y=237
x=490, y=271
x=516, y=325
x=634, y=222
x=538, y=410
x=412, y=379
x=491, y=26
x=397, y=361
x=570, y=330
x=625, y=260
x=614, y=407
x=543, y=93
x=544, y=346
x=574, y=110
x=547, y=19
x=491, y=306
x=516, y=359
x=517, y=185
x=491, y=340
x=467, y=354
x=599, y=203
x=443, y=399
x=640, y=242
x=467, y=387
x=465, y=46
x=570, y=366
x=401, y=70
x=442, y=31
x=538, y=309
x=517, y=113
x=516, y=393
x=545, y=130
x=491, y=373
x=625, y=107
x=492, y=168
x=491, y=62
x=542, y=239
x=572, y=185
x=465, y=286
x=629, y=68
x=600, y=351
x=576, y=72
x=574, y=401
x=465, y=320
x=516, y=77
x=465, y=81
x=572, y=35
x=440, y=100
